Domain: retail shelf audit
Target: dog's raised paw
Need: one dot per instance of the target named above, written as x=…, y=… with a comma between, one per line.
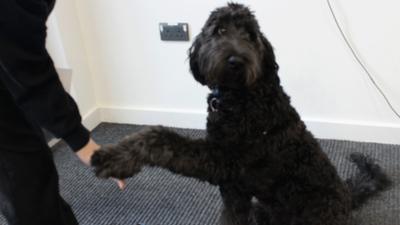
x=98, y=158
x=112, y=161
x=100, y=161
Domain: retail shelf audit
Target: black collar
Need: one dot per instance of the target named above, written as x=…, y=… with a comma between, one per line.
x=214, y=100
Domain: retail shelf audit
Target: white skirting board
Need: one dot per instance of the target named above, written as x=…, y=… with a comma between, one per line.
x=92, y=119
x=341, y=130
x=355, y=131
x=144, y=116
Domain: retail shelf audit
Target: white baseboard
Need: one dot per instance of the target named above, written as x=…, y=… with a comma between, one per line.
x=355, y=131
x=92, y=119
x=53, y=142
x=145, y=116
x=349, y=130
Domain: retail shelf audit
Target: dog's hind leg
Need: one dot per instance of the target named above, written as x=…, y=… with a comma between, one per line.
x=164, y=148
x=237, y=206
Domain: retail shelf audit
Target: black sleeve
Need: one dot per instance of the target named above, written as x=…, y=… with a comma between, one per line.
x=29, y=73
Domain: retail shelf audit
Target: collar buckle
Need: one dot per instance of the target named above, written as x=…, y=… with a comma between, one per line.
x=214, y=102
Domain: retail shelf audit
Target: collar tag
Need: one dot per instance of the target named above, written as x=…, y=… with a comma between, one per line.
x=214, y=101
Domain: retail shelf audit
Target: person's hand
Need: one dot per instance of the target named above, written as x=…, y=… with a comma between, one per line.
x=86, y=153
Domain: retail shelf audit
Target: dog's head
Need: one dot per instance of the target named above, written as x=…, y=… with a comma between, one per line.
x=231, y=51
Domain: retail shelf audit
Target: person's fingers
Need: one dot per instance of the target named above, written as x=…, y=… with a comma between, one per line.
x=121, y=183
x=87, y=151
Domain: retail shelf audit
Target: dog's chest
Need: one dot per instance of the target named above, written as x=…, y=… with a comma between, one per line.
x=226, y=121
x=236, y=117
x=225, y=107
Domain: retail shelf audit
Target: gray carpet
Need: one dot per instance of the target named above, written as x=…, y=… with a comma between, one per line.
x=157, y=197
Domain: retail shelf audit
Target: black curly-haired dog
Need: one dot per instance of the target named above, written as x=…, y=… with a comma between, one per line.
x=256, y=147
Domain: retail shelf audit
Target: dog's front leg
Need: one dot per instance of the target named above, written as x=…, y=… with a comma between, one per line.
x=237, y=206
x=164, y=148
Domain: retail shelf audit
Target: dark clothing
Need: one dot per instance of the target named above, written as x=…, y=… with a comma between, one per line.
x=32, y=97
x=16, y=133
x=28, y=73
x=29, y=193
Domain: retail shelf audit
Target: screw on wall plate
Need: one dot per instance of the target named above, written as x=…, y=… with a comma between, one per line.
x=179, y=32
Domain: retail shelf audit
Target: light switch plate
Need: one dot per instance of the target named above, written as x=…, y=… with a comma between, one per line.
x=179, y=32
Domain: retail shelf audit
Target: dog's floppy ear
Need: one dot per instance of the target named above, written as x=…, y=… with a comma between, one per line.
x=194, y=61
x=270, y=67
x=269, y=56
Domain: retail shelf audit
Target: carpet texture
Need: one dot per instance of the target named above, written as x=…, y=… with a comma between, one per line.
x=157, y=197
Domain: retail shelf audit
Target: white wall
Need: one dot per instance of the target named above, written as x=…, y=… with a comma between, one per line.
x=140, y=79
x=66, y=46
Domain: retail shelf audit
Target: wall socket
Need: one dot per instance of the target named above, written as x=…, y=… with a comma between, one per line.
x=179, y=32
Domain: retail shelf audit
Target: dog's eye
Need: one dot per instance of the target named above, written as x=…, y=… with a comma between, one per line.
x=251, y=35
x=247, y=36
x=221, y=31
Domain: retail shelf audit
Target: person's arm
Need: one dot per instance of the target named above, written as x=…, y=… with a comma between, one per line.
x=29, y=74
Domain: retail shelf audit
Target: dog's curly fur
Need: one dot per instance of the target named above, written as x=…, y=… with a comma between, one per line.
x=256, y=147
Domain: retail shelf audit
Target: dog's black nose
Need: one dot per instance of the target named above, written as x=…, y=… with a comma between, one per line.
x=235, y=61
